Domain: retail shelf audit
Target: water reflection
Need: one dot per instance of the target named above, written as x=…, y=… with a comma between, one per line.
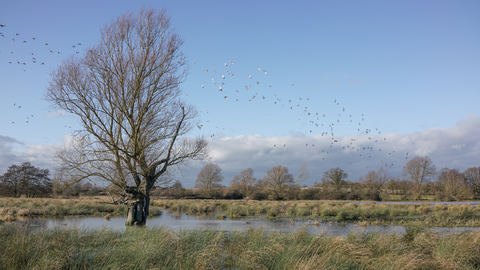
x=185, y=222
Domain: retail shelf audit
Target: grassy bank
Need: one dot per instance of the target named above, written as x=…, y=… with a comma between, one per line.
x=162, y=248
x=11, y=208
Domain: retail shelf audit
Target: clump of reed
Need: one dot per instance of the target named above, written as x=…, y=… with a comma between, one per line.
x=161, y=248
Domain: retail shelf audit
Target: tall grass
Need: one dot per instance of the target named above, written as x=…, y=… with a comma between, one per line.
x=161, y=248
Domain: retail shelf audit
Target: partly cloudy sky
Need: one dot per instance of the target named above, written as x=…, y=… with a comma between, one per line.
x=303, y=81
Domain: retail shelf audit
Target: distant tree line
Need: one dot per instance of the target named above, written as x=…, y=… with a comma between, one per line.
x=421, y=180
x=26, y=180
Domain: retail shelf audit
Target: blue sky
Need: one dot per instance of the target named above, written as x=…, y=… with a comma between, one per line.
x=411, y=68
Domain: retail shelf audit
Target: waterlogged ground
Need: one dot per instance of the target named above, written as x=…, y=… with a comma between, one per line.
x=333, y=217
x=187, y=222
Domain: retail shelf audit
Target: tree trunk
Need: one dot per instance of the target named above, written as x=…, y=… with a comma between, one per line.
x=137, y=212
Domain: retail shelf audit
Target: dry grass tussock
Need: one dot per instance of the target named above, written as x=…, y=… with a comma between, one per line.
x=30, y=207
x=161, y=248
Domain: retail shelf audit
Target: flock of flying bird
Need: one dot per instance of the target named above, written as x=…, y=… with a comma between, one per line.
x=369, y=141
x=219, y=78
x=32, y=58
x=18, y=56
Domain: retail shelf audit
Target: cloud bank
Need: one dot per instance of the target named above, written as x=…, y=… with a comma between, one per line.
x=455, y=147
x=15, y=152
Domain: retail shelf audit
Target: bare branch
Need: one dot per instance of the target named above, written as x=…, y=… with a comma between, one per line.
x=125, y=92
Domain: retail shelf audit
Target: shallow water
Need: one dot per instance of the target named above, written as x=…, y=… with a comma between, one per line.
x=186, y=222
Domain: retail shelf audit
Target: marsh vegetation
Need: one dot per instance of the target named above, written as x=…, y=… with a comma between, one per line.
x=366, y=213
x=162, y=248
x=10, y=208
x=439, y=215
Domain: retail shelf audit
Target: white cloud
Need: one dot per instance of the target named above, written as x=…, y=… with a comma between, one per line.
x=458, y=146
x=455, y=147
x=57, y=113
x=13, y=152
x=7, y=153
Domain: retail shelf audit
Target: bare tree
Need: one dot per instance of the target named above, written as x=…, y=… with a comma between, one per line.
x=244, y=182
x=451, y=181
x=37, y=181
x=209, y=179
x=302, y=175
x=418, y=171
x=176, y=191
x=12, y=181
x=125, y=91
x=472, y=177
x=373, y=181
x=279, y=180
x=26, y=179
x=335, y=177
